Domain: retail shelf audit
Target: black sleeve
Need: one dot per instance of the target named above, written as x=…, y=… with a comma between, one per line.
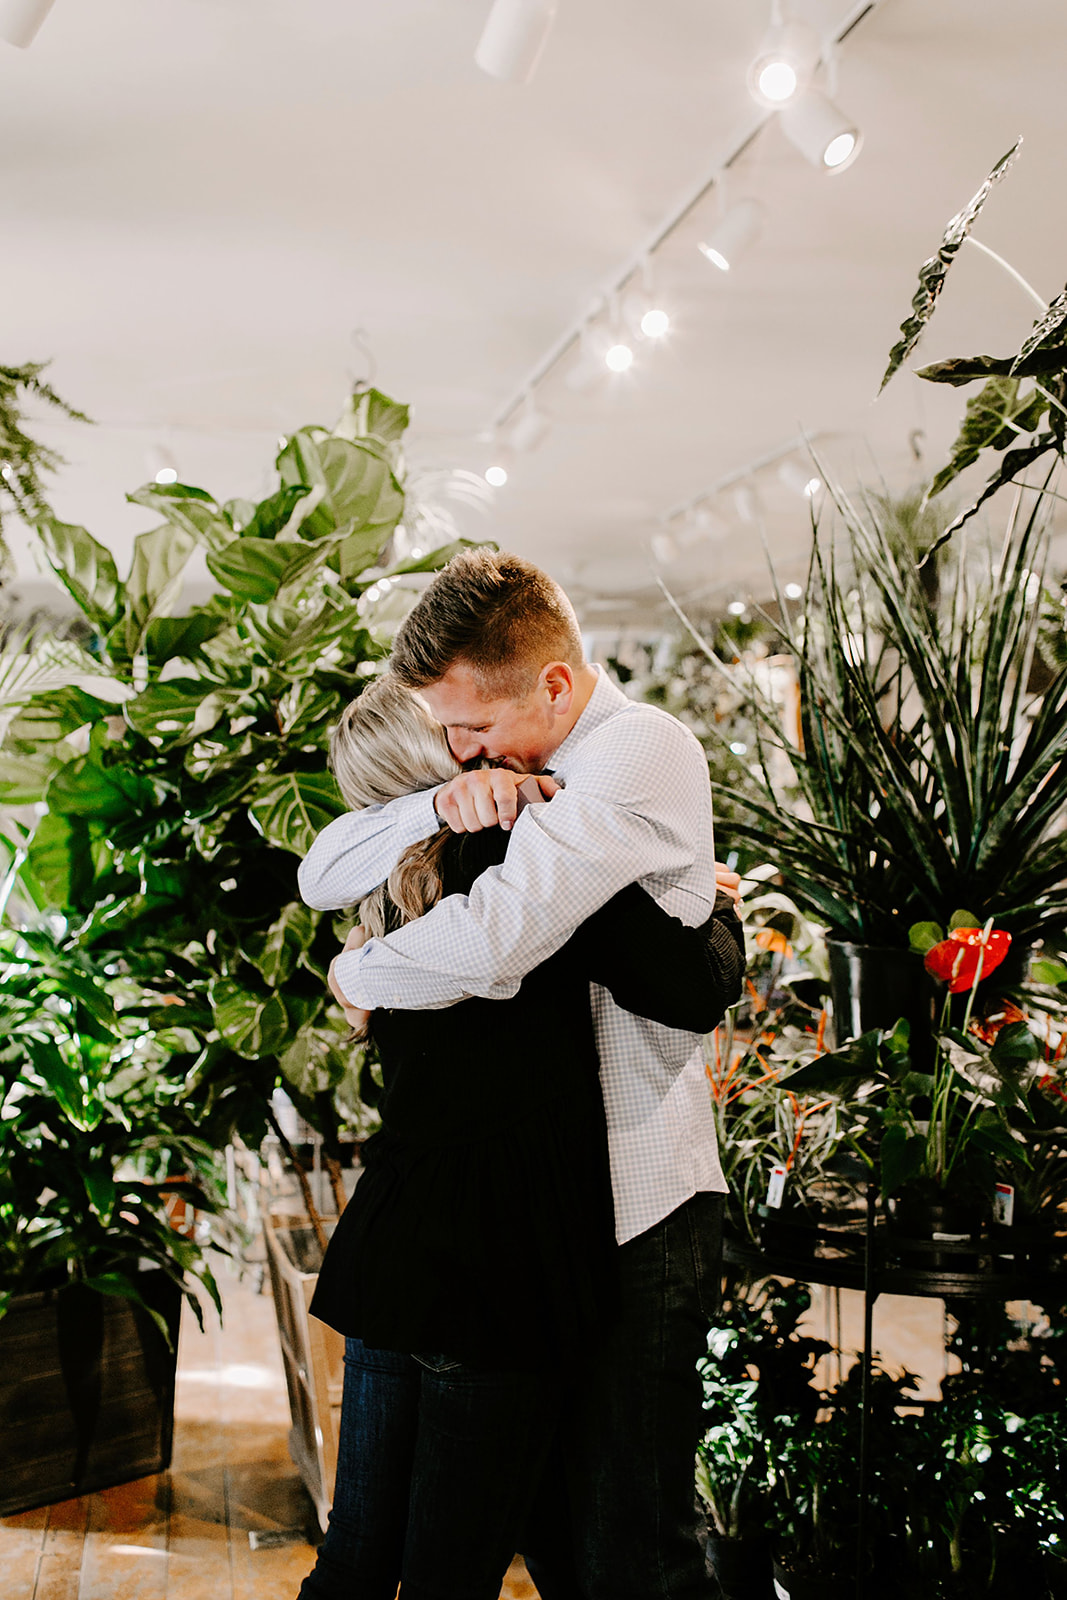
x=656, y=967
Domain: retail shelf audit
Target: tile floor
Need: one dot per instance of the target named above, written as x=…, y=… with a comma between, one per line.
x=184, y=1535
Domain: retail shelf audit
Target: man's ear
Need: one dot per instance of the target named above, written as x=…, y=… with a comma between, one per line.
x=558, y=680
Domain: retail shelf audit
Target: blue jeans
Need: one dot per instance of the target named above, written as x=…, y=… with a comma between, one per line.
x=616, y=1518
x=437, y=1467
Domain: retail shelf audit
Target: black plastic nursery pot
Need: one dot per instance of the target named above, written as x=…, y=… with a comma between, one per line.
x=939, y=1234
x=86, y=1391
x=742, y=1566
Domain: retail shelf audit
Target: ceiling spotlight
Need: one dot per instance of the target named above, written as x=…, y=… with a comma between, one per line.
x=801, y=479
x=513, y=38
x=733, y=234
x=644, y=316
x=822, y=133
x=530, y=428
x=784, y=63
x=737, y=608
x=496, y=476
x=20, y=20
x=618, y=358
x=162, y=465
x=793, y=591
x=664, y=548
x=745, y=503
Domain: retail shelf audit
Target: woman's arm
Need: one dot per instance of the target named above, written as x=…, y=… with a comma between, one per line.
x=656, y=967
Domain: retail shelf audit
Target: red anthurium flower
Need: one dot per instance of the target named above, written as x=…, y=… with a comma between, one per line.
x=966, y=955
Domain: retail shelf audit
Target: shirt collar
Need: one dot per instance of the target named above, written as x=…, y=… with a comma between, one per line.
x=605, y=700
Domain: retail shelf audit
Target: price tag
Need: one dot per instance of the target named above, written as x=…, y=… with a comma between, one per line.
x=1003, y=1204
x=776, y=1188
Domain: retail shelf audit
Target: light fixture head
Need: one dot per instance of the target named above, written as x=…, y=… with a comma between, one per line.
x=823, y=134
x=20, y=20
x=618, y=357
x=664, y=548
x=513, y=38
x=733, y=234
x=162, y=466
x=655, y=322
x=793, y=591
x=529, y=429
x=800, y=478
x=496, y=476
x=784, y=63
x=737, y=608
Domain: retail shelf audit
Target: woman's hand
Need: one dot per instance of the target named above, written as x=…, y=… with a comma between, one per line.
x=728, y=882
x=356, y=1018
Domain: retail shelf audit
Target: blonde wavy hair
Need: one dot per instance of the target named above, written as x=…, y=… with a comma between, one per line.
x=388, y=744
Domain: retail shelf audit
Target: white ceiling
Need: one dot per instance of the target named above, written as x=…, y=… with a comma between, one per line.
x=201, y=200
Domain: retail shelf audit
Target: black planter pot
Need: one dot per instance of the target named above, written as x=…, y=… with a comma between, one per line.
x=871, y=987
x=938, y=1234
x=86, y=1391
x=742, y=1566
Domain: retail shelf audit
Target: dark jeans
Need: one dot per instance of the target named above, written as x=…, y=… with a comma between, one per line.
x=437, y=1467
x=629, y=1431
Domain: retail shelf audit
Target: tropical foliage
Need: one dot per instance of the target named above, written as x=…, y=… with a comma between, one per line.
x=24, y=460
x=929, y=775
x=181, y=770
x=95, y=1136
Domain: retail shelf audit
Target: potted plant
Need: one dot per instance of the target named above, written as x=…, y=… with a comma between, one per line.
x=94, y=1138
x=180, y=772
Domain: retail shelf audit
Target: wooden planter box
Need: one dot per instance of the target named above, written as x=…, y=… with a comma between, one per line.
x=312, y=1354
x=86, y=1391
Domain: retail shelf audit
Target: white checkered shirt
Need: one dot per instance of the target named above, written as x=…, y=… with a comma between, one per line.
x=636, y=806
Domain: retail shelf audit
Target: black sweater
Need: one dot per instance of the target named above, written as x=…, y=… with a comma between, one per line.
x=483, y=1223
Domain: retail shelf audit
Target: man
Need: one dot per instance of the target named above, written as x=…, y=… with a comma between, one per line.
x=493, y=648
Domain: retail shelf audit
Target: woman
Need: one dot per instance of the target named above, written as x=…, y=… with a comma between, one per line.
x=475, y=1260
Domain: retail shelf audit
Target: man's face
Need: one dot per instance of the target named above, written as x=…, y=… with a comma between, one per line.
x=520, y=734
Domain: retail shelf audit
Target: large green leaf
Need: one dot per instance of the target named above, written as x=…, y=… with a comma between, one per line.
x=51, y=715
x=159, y=559
x=371, y=412
x=995, y=418
x=255, y=569
x=60, y=861
x=24, y=779
x=933, y=272
x=358, y=487
x=291, y=808
x=179, y=709
x=85, y=788
x=272, y=515
x=1047, y=330
x=190, y=509
x=168, y=637
x=86, y=569
x=280, y=948
x=252, y=1022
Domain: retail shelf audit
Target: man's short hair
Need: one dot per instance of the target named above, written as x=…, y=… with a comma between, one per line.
x=494, y=612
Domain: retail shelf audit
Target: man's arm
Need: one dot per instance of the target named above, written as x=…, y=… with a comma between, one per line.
x=355, y=853
x=625, y=814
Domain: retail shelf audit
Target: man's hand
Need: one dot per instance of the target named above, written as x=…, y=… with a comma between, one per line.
x=485, y=799
x=356, y=1018
x=728, y=882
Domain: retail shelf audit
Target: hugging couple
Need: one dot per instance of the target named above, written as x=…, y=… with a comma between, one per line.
x=528, y=1267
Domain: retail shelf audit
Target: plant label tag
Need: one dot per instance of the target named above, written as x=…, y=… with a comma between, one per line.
x=1003, y=1204
x=776, y=1188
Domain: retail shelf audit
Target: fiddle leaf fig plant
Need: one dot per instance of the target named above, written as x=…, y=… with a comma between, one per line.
x=183, y=775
